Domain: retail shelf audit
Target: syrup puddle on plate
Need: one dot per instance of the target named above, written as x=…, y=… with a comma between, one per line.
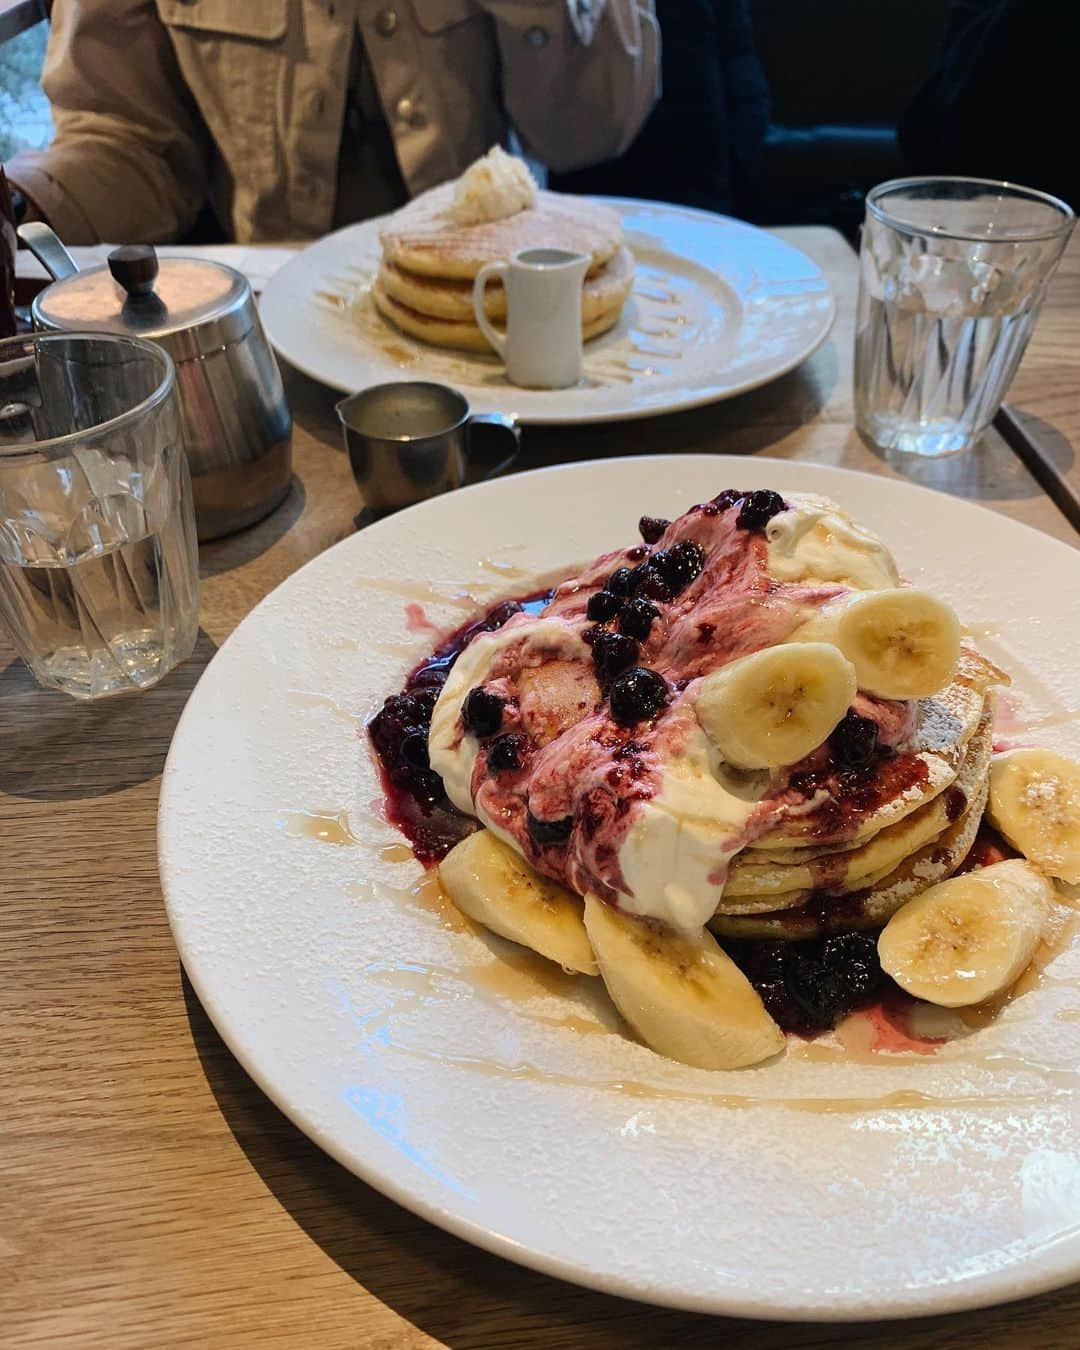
x=300, y=698
x=658, y=295
x=462, y=595
x=328, y=827
x=904, y=1099
x=519, y=977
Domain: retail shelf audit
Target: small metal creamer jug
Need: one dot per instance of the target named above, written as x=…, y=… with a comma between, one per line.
x=236, y=424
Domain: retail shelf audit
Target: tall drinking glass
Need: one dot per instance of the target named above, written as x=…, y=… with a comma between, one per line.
x=98, y=558
x=952, y=275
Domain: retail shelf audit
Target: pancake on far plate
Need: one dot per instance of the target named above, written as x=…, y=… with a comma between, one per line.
x=434, y=247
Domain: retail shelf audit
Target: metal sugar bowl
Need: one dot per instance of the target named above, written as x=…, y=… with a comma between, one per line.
x=236, y=423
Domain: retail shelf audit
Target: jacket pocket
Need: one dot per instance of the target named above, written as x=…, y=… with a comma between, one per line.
x=436, y=16
x=259, y=20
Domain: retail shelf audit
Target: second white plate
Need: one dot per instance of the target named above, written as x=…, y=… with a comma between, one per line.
x=718, y=307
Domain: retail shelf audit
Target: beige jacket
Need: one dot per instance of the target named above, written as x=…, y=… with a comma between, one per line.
x=157, y=102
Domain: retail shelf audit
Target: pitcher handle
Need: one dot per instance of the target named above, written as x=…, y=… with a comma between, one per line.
x=496, y=269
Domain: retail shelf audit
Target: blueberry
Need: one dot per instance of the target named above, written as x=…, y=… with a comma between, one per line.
x=679, y=565
x=507, y=754
x=482, y=712
x=545, y=832
x=652, y=527
x=621, y=580
x=602, y=606
x=428, y=677
x=426, y=697
x=853, y=959
x=727, y=499
x=638, y=694
x=400, y=716
x=759, y=508
x=612, y=653
x=637, y=618
x=414, y=751
x=501, y=614
x=423, y=784
x=828, y=979
x=648, y=582
x=853, y=741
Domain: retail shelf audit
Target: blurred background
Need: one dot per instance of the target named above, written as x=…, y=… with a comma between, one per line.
x=781, y=111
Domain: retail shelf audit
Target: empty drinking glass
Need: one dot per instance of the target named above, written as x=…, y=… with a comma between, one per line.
x=952, y=275
x=98, y=558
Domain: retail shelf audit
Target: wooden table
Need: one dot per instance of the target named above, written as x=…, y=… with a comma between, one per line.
x=151, y=1195
x=1045, y=395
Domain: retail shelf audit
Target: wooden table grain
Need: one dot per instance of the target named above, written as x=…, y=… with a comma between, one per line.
x=151, y=1196
x=1044, y=398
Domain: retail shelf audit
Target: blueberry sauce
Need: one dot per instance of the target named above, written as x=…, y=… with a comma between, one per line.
x=415, y=800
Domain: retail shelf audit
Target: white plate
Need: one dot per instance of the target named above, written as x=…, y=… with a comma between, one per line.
x=453, y=1080
x=718, y=307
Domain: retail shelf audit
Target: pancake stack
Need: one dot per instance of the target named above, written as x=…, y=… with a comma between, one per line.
x=430, y=260
x=880, y=839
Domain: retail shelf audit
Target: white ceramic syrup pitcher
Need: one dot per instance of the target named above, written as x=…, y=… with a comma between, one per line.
x=542, y=346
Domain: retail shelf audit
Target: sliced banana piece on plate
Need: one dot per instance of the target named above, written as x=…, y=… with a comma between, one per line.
x=1035, y=804
x=774, y=707
x=903, y=642
x=683, y=995
x=965, y=940
x=490, y=883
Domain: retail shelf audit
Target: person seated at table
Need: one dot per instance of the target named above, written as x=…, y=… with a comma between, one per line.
x=702, y=144
x=293, y=117
x=998, y=103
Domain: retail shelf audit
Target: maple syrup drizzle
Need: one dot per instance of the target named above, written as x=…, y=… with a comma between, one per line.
x=300, y=698
x=521, y=976
x=328, y=827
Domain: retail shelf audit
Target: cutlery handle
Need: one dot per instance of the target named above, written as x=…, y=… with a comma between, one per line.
x=44, y=243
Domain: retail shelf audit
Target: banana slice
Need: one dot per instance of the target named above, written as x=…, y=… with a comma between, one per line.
x=774, y=707
x=1035, y=804
x=490, y=883
x=967, y=939
x=903, y=643
x=683, y=996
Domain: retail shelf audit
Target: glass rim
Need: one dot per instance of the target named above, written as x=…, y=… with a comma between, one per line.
x=54, y=446
x=1001, y=185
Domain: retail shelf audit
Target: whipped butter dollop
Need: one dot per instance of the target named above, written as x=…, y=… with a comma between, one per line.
x=491, y=188
x=453, y=751
x=675, y=853
x=815, y=541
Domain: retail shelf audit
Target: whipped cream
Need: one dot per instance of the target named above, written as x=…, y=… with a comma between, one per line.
x=817, y=542
x=496, y=186
x=675, y=855
x=453, y=750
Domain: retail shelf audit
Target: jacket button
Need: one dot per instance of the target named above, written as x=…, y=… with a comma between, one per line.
x=410, y=112
x=536, y=36
x=386, y=22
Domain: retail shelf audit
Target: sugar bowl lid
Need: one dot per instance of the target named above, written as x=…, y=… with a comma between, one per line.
x=191, y=306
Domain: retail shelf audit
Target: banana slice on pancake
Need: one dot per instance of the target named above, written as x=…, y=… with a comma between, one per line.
x=903, y=642
x=773, y=707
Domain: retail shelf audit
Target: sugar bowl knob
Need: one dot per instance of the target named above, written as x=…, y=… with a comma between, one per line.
x=134, y=266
